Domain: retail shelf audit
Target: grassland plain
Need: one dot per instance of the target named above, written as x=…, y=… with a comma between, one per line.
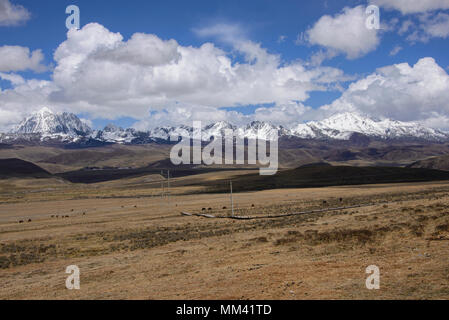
x=130, y=243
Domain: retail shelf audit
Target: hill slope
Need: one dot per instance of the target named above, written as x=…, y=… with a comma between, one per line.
x=322, y=176
x=439, y=163
x=17, y=168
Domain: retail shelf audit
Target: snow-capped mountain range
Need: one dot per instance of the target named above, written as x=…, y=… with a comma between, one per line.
x=46, y=125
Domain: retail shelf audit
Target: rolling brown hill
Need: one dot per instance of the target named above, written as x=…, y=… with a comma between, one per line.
x=57, y=160
x=439, y=163
x=292, y=154
x=17, y=168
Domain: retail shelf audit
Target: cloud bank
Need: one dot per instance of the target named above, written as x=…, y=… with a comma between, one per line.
x=402, y=92
x=99, y=73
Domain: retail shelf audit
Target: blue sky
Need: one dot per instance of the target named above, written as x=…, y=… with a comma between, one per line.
x=274, y=26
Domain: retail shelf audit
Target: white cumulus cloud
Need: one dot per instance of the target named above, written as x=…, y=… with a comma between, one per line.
x=345, y=32
x=17, y=58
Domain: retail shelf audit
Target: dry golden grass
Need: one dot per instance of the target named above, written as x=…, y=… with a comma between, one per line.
x=131, y=244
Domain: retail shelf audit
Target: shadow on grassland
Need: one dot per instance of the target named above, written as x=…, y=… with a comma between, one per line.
x=324, y=176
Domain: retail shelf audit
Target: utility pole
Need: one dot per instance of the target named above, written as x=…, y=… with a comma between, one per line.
x=162, y=184
x=168, y=186
x=232, y=200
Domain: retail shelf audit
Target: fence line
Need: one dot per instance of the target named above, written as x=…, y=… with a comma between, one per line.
x=280, y=215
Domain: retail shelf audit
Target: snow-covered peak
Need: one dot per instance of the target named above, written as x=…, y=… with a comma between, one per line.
x=220, y=125
x=115, y=134
x=259, y=130
x=216, y=129
x=342, y=126
x=45, y=110
x=164, y=133
x=347, y=122
x=47, y=123
x=303, y=131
